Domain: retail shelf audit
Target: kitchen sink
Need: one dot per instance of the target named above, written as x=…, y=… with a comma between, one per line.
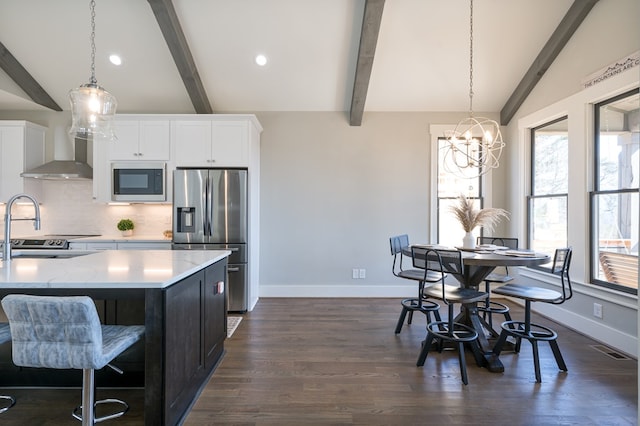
x=49, y=254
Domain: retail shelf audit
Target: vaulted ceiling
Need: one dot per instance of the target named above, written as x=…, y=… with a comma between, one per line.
x=197, y=56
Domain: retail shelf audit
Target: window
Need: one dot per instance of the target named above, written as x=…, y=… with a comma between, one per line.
x=449, y=187
x=548, y=201
x=615, y=201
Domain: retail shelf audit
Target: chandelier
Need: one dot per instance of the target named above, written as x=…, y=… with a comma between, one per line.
x=92, y=107
x=475, y=145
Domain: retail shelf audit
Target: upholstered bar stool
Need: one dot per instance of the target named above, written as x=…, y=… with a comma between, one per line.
x=399, y=244
x=5, y=336
x=65, y=332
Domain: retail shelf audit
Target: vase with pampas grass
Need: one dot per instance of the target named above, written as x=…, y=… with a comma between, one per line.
x=470, y=218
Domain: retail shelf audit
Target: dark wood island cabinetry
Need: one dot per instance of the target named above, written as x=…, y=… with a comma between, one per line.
x=185, y=329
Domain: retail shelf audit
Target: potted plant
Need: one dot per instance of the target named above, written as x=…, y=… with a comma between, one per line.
x=126, y=227
x=470, y=218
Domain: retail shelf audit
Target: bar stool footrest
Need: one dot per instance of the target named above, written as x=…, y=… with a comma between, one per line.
x=494, y=308
x=536, y=331
x=77, y=412
x=460, y=332
x=6, y=400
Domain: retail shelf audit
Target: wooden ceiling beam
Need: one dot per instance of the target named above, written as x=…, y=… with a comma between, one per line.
x=366, y=52
x=21, y=76
x=171, y=29
x=569, y=24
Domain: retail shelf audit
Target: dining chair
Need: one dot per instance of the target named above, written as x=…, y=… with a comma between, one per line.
x=64, y=332
x=5, y=336
x=400, y=245
x=534, y=332
x=490, y=307
x=443, y=262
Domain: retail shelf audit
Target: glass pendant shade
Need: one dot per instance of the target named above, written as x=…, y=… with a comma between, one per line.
x=92, y=112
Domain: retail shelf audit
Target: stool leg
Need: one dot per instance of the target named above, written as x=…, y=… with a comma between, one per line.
x=536, y=360
x=497, y=348
x=425, y=350
x=88, y=397
x=410, y=317
x=556, y=353
x=463, y=363
x=403, y=314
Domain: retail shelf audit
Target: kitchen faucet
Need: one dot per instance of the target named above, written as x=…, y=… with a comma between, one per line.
x=6, y=251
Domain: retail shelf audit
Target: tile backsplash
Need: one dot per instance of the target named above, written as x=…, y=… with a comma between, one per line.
x=67, y=207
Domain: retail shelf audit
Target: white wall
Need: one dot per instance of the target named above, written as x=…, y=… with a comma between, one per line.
x=333, y=194
x=609, y=33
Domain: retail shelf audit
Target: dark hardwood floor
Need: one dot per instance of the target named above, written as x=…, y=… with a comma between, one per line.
x=338, y=362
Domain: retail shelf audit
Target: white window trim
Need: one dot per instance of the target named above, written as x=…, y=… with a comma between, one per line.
x=579, y=110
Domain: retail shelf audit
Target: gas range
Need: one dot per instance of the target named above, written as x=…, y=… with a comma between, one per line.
x=45, y=242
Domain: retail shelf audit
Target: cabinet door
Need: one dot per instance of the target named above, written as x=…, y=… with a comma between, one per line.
x=141, y=140
x=230, y=143
x=11, y=161
x=192, y=143
x=215, y=312
x=155, y=140
x=126, y=146
x=21, y=148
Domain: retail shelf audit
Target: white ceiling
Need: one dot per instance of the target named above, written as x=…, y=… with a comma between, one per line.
x=421, y=61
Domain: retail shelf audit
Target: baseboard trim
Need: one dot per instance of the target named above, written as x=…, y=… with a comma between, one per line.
x=338, y=291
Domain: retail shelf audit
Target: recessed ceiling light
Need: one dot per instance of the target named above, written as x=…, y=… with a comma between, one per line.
x=261, y=60
x=115, y=59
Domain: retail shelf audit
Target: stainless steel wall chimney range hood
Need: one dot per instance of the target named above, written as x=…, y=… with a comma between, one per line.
x=76, y=169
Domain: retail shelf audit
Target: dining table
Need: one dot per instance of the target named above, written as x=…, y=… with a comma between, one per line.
x=477, y=265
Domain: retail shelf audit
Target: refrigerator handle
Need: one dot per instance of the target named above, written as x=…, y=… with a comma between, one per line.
x=205, y=215
x=209, y=201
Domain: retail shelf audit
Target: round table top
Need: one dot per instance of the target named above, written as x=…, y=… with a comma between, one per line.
x=498, y=259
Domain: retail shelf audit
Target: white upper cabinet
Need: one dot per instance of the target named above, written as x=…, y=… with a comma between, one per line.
x=211, y=143
x=21, y=148
x=141, y=140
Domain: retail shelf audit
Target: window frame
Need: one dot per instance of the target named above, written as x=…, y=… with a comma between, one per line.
x=532, y=196
x=593, y=245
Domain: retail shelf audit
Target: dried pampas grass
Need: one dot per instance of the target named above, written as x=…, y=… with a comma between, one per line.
x=470, y=218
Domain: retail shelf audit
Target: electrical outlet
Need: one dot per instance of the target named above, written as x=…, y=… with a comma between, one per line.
x=362, y=274
x=597, y=310
x=355, y=273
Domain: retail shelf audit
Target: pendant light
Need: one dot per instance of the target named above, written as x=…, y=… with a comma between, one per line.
x=475, y=145
x=92, y=107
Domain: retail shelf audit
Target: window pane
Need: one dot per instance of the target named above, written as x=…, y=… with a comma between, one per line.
x=617, y=232
x=551, y=159
x=618, y=143
x=450, y=232
x=548, y=223
x=450, y=186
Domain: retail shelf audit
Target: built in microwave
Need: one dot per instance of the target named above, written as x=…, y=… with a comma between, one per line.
x=138, y=181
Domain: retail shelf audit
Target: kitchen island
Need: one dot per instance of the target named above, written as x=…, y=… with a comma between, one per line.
x=178, y=295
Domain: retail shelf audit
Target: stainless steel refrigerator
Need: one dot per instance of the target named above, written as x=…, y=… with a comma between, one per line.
x=210, y=213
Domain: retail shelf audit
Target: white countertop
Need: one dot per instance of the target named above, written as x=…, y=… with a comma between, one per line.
x=108, y=269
